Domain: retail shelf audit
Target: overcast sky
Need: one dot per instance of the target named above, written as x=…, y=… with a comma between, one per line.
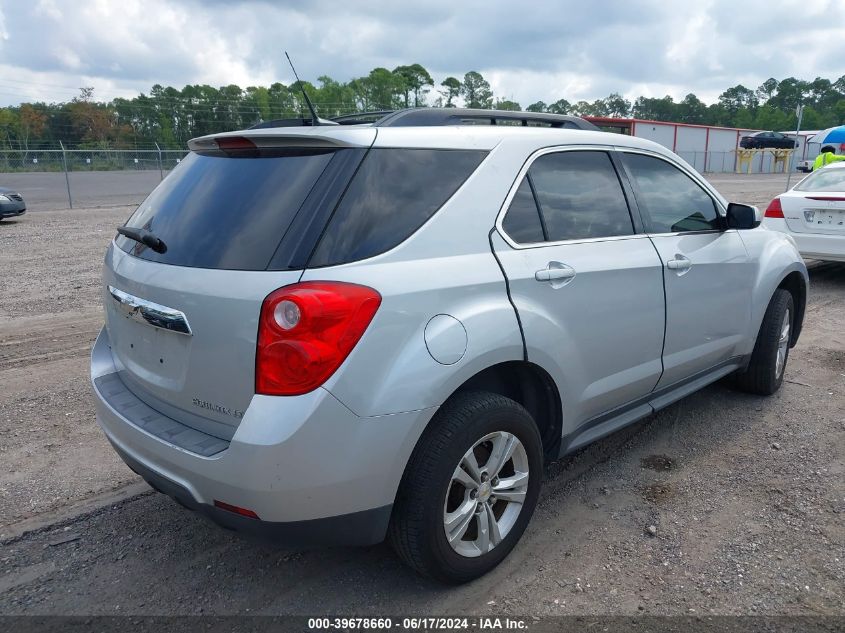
x=529, y=51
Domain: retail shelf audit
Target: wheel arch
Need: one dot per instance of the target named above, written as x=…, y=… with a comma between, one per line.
x=795, y=284
x=531, y=386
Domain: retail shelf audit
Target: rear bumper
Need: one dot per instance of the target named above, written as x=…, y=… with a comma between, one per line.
x=310, y=469
x=812, y=245
x=360, y=528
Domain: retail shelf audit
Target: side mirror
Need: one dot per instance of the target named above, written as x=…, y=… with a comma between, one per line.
x=743, y=216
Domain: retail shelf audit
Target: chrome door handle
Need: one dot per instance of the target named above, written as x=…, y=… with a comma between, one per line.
x=679, y=263
x=555, y=272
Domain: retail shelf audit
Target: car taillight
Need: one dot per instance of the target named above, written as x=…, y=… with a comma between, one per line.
x=774, y=210
x=306, y=331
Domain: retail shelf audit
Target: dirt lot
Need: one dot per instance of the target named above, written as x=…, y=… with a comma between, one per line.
x=746, y=494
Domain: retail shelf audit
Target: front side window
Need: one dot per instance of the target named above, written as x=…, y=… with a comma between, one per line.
x=672, y=201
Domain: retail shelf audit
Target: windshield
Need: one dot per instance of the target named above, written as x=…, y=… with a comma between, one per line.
x=825, y=179
x=224, y=212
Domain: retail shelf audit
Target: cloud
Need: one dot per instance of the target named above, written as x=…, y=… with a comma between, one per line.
x=543, y=50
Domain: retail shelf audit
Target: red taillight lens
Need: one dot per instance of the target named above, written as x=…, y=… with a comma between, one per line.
x=774, y=210
x=244, y=512
x=306, y=331
x=237, y=146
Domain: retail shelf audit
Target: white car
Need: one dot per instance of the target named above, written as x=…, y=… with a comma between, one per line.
x=813, y=213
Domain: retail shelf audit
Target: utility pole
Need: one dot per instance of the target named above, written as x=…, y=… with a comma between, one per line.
x=800, y=112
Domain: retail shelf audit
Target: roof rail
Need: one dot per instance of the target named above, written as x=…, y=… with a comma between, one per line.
x=468, y=116
x=361, y=117
x=426, y=117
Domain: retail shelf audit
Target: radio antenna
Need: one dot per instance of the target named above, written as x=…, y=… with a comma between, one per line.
x=315, y=120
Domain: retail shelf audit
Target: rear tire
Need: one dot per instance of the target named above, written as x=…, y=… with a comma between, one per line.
x=448, y=523
x=765, y=371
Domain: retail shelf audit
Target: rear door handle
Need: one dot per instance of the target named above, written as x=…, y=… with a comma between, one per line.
x=555, y=272
x=679, y=263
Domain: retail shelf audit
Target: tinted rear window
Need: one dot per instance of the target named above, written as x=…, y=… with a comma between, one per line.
x=223, y=212
x=393, y=193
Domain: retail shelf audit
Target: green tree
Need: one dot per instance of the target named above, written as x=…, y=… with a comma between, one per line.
x=767, y=90
x=663, y=109
x=735, y=99
x=692, y=110
x=452, y=90
x=790, y=93
x=584, y=108
x=616, y=106
x=476, y=91
x=561, y=106
x=506, y=104
x=537, y=106
x=416, y=82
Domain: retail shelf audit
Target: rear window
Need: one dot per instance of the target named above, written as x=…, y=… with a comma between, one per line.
x=825, y=179
x=227, y=213
x=393, y=193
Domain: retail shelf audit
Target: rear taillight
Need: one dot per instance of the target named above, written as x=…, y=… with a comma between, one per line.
x=306, y=331
x=774, y=210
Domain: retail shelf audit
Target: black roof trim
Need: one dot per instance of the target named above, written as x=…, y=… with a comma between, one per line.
x=429, y=117
x=357, y=118
x=458, y=116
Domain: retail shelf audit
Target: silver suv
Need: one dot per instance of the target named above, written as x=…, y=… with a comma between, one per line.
x=341, y=334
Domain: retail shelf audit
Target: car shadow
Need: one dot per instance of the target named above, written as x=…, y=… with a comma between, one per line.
x=826, y=272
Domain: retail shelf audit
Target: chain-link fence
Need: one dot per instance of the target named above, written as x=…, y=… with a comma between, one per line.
x=39, y=160
x=60, y=178
x=81, y=175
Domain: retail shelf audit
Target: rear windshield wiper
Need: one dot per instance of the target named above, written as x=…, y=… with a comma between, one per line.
x=143, y=236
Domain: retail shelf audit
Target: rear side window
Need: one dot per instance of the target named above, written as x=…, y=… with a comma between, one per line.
x=673, y=201
x=580, y=196
x=522, y=222
x=393, y=193
x=224, y=212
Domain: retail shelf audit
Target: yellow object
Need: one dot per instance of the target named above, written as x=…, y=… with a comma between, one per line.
x=825, y=158
x=745, y=157
x=782, y=158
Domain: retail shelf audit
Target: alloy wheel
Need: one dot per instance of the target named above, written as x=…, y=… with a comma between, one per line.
x=486, y=494
x=783, y=344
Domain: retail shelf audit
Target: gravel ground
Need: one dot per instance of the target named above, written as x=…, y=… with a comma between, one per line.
x=724, y=503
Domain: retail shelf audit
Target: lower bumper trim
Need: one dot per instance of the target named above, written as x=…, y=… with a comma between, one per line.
x=367, y=527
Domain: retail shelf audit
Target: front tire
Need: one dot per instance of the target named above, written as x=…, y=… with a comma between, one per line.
x=764, y=374
x=469, y=489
